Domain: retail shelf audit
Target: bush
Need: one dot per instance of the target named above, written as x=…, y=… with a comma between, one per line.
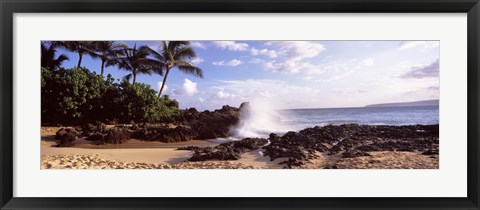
x=78, y=96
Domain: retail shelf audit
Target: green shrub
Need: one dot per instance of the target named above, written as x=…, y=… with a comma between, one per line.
x=77, y=96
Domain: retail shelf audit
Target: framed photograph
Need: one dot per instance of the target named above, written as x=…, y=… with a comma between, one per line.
x=239, y=105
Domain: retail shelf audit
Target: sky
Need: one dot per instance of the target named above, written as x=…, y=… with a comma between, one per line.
x=296, y=74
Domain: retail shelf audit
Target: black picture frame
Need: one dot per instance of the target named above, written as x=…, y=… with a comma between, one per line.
x=10, y=7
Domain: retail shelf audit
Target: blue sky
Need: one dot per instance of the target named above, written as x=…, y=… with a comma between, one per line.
x=297, y=74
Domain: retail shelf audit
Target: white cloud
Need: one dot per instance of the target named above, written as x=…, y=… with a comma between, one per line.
x=296, y=56
x=333, y=70
x=368, y=61
x=201, y=100
x=308, y=78
x=424, y=44
x=223, y=95
x=429, y=92
x=272, y=65
x=159, y=85
x=231, y=45
x=198, y=45
x=266, y=52
x=266, y=94
x=279, y=93
x=233, y=62
x=298, y=50
x=197, y=60
x=346, y=91
x=189, y=87
x=219, y=63
x=430, y=70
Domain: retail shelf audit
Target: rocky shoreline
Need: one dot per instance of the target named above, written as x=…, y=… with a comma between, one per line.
x=294, y=149
x=188, y=126
x=297, y=149
x=350, y=141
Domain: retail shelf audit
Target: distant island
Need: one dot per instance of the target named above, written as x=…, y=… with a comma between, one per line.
x=413, y=103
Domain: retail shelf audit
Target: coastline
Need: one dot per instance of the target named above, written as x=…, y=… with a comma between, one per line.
x=136, y=154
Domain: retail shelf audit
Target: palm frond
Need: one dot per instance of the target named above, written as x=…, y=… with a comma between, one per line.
x=185, y=53
x=62, y=58
x=173, y=45
x=193, y=70
x=127, y=77
x=155, y=54
x=48, y=59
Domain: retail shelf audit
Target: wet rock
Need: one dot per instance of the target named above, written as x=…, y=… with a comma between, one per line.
x=191, y=114
x=350, y=140
x=291, y=163
x=246, y=144
x=189, y=125
x=63, y=131
x=217, y=124
x=216, y=153
x=273, y=137
x=295, y=146
x=244, y=106
x=90, y=128
x=66, y=136
x=164, y=134
x=95, y=137
x=226, y=151
x=116, y=136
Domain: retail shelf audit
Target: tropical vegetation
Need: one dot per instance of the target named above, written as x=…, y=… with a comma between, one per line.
x=79, y=95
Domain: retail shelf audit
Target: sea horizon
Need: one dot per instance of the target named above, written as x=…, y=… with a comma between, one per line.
x=353, y=107
x=260, y=123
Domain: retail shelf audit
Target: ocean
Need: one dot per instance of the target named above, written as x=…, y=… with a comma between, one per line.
x=302, y=118
x=260, y=123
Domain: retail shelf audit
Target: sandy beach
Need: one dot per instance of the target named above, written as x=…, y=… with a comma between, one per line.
x=136, y=154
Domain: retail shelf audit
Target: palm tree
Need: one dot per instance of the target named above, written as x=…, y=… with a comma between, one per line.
x=81, y=47
x=133, y=60
x=48, y=56
x=175, y=54
x=107, y=50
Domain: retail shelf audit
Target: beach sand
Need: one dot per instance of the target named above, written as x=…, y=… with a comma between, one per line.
x=135, y=154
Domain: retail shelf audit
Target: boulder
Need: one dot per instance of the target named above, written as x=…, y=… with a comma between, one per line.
x=217, y=124
x=66, y=136
x=116, y=136
x=164, y=134
x=95, y=136
x=67, y=140
x=216, y=153
x=89, y=128
x=226, y=151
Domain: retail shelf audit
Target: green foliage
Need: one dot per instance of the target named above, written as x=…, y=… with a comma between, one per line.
x=76, y=96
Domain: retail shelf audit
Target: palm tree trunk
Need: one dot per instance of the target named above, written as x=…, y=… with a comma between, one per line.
x=134, y=72
x=163, y=83
x=80, y=55
x=103, y=66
